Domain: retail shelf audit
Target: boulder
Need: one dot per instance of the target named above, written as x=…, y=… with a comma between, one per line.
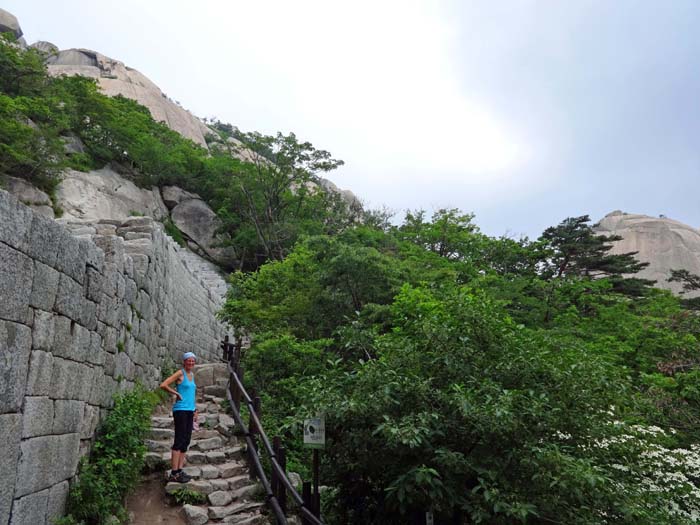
x=195, y=515
x=45, y=47
x=115, y=78
x=30, y=195
x=105, y=194
x=348, y=196
x=172, y=196
x=199, y=222
x=9, y=24
x=664, y=243
x=72, y=144
x=220, y=498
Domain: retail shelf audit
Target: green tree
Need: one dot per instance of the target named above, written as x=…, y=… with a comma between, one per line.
x=272, y=196
x=573, y=248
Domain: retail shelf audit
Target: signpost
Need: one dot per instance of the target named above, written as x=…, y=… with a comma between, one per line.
x=315, y=438
x=315, y=433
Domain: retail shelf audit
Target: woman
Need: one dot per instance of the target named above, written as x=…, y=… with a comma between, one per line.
x=184, y=414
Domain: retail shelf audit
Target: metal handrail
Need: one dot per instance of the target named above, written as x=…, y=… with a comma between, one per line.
x=280, y=472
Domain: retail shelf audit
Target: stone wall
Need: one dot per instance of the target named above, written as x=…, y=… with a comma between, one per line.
x=82, y=316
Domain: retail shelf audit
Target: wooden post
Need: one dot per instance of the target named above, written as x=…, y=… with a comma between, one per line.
x=237, y=349
x=306, y=496
x=252, y=428
x=275, y=482
x=282, y=460
x=226, y=349
x=316, y=495
x=236, y=393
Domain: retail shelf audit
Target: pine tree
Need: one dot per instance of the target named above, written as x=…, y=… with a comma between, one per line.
x=574, y=249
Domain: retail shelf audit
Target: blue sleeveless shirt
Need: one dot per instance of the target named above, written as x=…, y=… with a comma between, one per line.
x=187, y=390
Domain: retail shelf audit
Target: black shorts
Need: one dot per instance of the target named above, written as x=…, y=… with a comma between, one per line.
x=184, y=419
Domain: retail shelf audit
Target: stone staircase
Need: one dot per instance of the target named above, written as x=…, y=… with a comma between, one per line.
x=209, y=274
x=215, y=463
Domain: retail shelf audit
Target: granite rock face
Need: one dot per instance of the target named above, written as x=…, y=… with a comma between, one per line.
x=104, y=194
x=349, y=197
x=30, y=196
x=115, y=78
x=172, y=196
x=9, y=24
x=45, y=47
x=84, y=315
x=199, y=222
x=664, y=243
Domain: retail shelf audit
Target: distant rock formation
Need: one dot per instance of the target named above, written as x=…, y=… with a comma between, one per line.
x=115, y=78
x=45, y=47
x=664, y=243
x=104, y=194
x=30, y=196
x=199, y=223
x=9, y=24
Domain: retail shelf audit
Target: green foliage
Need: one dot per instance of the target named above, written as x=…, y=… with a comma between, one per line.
x=188, y=497
x=174, y=232
x=265, y=189
x=460, y=373
x=113, y=468
x=271, y=199
x=494, y=380
x=573, y=248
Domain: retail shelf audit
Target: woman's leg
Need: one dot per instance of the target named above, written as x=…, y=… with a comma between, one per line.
x=175, y=459
x=188, y=421
x=176, y=453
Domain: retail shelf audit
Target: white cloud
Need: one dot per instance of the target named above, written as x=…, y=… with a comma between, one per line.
x=372, y=81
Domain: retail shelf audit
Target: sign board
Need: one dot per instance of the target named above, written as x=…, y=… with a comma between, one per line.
x=429, y=518
x=314, y=433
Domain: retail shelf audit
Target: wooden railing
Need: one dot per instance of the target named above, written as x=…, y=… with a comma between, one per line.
x=279, y=487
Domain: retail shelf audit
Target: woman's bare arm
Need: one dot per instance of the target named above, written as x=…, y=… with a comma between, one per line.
x=165, y=385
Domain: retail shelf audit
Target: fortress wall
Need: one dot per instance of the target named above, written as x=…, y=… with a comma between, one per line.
x=83, y=315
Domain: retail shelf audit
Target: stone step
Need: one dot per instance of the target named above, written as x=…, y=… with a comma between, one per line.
x=214, y=399
x=212, y=457
x=199, y=443
x=246, y=518
x=160, y=433
x=223, y=511
x=218, y=390
x=161, y=422
x=210, y=417
x=226, y=489
x=224, y=470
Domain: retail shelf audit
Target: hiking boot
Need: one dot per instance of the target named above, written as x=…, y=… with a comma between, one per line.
x=180, y=477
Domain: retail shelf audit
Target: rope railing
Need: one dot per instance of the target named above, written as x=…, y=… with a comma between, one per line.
x=276, y=491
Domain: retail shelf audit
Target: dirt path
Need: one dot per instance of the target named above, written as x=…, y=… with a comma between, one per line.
x=149, y=505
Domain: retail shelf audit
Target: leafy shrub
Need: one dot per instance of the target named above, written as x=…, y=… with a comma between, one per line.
x=188, y=497
x=174, y=232
x=113, y=468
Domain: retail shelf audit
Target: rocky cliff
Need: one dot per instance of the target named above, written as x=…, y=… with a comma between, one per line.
x=115, y=78
x=664, y=243
x=87, y=309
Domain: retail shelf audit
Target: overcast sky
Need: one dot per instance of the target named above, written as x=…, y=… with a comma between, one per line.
x=523, y=112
